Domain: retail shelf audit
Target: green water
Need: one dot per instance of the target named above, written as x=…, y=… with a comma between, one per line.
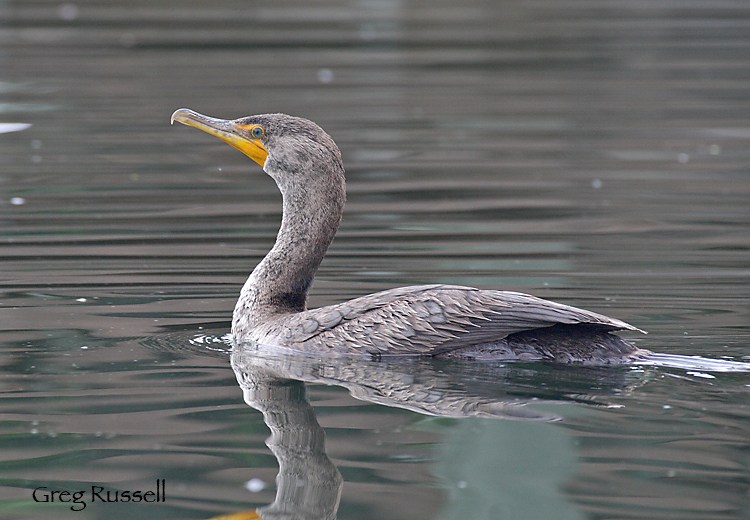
x=594, y=154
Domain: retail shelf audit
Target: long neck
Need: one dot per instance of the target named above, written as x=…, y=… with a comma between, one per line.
x=279, y=283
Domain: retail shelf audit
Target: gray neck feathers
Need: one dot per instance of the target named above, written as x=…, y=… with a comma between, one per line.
x=313, y=202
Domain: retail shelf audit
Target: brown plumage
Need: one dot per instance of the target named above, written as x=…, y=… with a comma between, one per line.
x=433, y=320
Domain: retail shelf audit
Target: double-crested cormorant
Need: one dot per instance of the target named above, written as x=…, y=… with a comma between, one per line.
x=432, y=320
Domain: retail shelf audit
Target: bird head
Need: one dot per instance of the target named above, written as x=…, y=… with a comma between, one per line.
x=283, y=145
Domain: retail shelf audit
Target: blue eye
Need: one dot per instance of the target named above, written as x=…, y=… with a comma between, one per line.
x=257, y=132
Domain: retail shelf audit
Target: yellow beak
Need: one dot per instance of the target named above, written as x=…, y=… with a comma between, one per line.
x=225, y=130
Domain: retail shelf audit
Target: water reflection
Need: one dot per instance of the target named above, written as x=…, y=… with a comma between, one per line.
x=425, y=386
x=309, y=486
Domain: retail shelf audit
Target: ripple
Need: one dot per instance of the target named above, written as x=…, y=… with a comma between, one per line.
x=695, y=364
x=6, y=128
x=188, y=341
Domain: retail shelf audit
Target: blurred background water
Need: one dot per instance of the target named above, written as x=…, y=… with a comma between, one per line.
x=590, y=152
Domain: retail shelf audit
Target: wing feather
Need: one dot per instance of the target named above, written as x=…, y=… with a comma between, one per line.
x=429, y=319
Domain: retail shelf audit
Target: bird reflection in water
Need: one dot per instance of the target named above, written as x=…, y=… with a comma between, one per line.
x=309, y=486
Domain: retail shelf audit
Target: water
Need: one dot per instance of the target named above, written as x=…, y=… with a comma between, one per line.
x=593, y=154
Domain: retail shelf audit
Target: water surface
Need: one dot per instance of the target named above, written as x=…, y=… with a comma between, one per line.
x=596, y=155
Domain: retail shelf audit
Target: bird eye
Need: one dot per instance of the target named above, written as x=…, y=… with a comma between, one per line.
x=257, y=132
